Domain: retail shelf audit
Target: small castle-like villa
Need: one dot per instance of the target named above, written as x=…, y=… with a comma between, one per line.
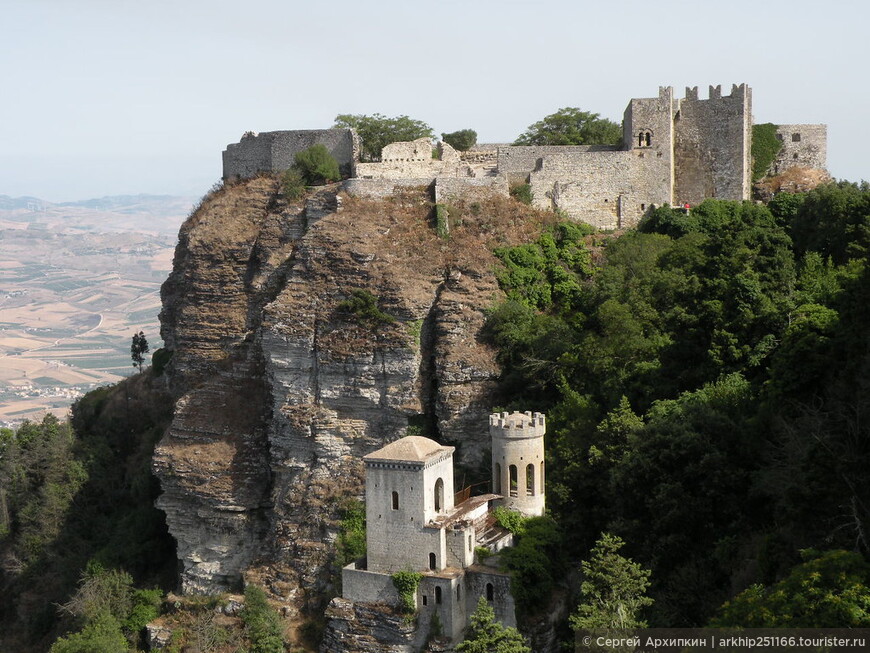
x=414, y=522
x=674, y=150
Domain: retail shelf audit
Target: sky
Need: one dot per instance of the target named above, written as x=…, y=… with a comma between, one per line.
x=108, y=97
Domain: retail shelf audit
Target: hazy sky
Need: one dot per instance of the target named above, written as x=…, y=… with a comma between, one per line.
x=104, y=97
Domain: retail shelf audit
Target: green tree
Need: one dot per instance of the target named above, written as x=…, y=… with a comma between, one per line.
x=829, y=589
x=262, y=622
x=376, y=131
x=613, y=590
x=461, y=140
x=571, y=126
x=486, y=635
x=138, y=349
x=317, y=165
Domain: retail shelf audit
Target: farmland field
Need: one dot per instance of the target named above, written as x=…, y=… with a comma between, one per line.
x=76, y=281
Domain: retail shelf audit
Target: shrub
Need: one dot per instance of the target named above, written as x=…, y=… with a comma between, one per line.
x=522, y=193
x=481, y=553
x=442, y=224
x=510, y=519
x=461, y=140
x=317, y=165
x=351, y=544
x=292, y=184
x=363, y=305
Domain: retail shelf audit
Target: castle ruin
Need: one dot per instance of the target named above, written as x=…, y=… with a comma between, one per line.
x=674, y=151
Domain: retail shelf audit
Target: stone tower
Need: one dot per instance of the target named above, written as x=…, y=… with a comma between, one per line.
x=518, y=460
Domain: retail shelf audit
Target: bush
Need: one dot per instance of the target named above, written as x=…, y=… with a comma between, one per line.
x=363, y=305
x=522, y=193
x=511, y=520
x=351, y=544
x=461, y=140
x=292, y=184
x=317, y=165
x=442, y=224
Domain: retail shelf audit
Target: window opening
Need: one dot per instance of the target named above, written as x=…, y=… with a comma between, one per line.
x=530, y=480
x=512, y=470
x=439, y=495
x=489, y=592
x=497, y=478
x=425, y=599
x=395, y=500
x=438, y=595
x=432, y=562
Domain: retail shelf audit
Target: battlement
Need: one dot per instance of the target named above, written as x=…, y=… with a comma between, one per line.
x=517, y=425
x=738, y=92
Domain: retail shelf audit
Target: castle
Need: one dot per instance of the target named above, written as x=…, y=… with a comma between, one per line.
x=674, y=150
x=415, y=522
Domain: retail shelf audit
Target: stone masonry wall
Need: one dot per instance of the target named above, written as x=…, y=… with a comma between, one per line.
x=712, y=146
x=609, y=190
x=476, y=580
x=802, y=145
x=276, y=151
x=517, y=162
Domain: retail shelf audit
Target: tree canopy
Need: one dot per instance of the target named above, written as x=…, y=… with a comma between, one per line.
x=571, y=126
x=613, y=590
x=376, y=131
x=486, y=635
x=461, y=140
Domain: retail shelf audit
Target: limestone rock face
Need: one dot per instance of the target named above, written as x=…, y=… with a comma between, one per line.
x=283, y=386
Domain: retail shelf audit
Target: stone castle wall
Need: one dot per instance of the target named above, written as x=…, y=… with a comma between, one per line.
x=516, y=162
x=805, y=146
x=609, y=190
x=712, y=140
x=276, y=151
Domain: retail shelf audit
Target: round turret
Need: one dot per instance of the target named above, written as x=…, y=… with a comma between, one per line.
x=518, y=460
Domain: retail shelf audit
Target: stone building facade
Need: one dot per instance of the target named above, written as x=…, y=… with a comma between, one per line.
x=413, y=523
x=674, y=150
x=804, y=146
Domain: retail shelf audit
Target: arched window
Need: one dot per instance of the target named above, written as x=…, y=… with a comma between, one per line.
x=640, y=139
x=395, y=500
x=648, y=138
x=439, y=495
x=432, y=563
x=530, y=479
x=497, y=484
x=512, y=470
x=437, y=594
x=489, y=592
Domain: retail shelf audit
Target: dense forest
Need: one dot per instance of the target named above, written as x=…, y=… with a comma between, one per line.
x=705, y=378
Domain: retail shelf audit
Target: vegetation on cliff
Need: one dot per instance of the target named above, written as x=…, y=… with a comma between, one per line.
x=705, y=383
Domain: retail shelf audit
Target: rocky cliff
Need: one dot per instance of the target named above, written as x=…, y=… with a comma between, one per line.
x=281, y=389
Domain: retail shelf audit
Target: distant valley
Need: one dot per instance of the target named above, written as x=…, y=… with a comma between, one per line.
x=77, y=279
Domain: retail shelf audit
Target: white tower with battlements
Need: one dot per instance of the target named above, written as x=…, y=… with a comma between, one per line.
x=518, y=460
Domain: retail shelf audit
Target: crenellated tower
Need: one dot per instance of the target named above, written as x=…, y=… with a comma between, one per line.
x=518, y=460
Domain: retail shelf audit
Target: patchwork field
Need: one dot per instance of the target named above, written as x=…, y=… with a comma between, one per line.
x=76, y=281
